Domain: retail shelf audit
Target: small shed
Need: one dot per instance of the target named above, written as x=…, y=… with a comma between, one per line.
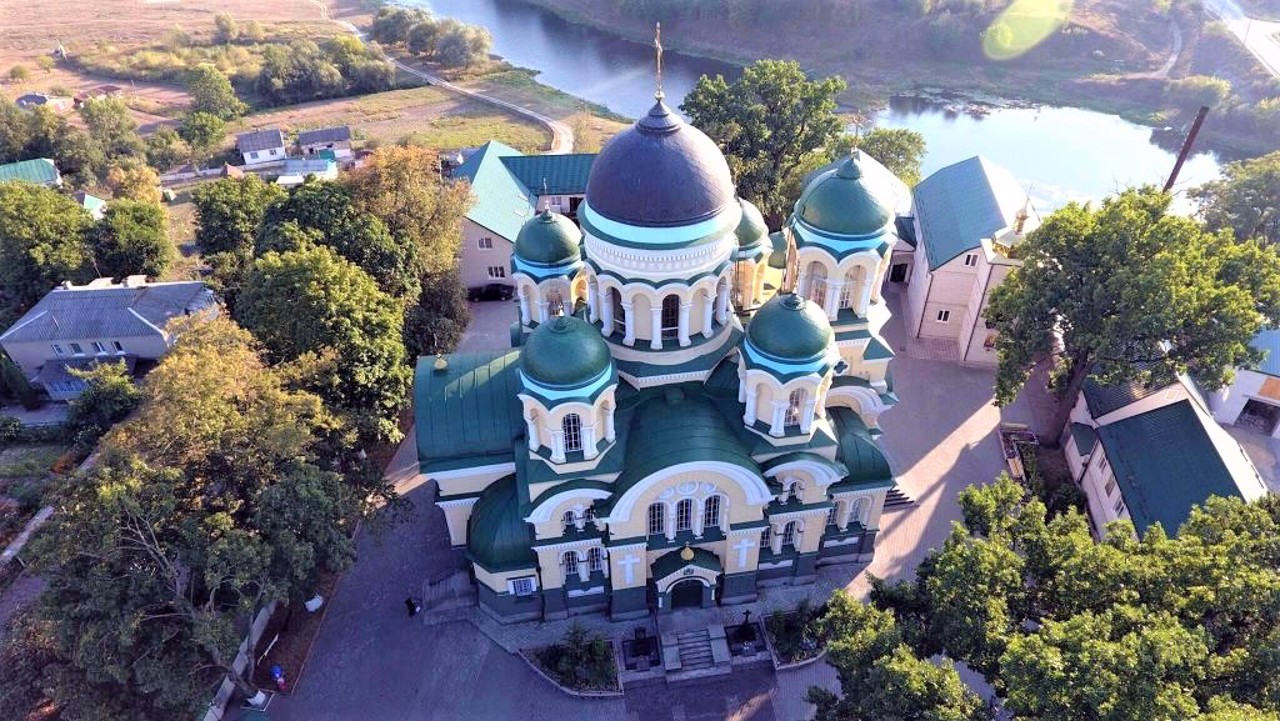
x=336, y=139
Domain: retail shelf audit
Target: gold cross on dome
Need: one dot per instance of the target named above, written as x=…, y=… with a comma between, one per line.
x=657, y=48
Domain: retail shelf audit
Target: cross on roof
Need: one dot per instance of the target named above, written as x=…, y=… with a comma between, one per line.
x=657, y=47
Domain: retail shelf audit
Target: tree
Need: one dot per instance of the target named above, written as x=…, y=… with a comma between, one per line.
x=899, y=149
x=15, y=131
x=424, y=38
x=1246, y=200
x=131, y=239
x=109, y=396
x=15, y=383
x=42, y=242
x=224, y=28
x=391, y=25
x=766, y=122
x=79, y=157
x=204, y=132
x=134, y=181
x=253, y=32
x=1134, y=293
x=166, y=149
x=19, y=73
x=229, y=212
x=312, y=305
x=211, y=92
x=112, y=126
x=461, y=45
x=436, y=322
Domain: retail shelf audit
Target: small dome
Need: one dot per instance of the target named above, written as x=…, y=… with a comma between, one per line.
x=565, y=352
x=548, y=239
x=751, y=229
x=843, y=201
x=497, y=537
x=660, y=172
x=790, y=328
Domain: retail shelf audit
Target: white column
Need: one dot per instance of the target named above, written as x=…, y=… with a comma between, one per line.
x=806, y=415
x=593, y=302
x=606, y=314
x=698, y=518
x=584, y=571
x=749, y=416
x=669, y=527
x=802, y=284
x=832, y=302
x=655, y=327
x=864, y=297
x=542, y=311
x=524, y=309
x=776, y=428
x=557, y=446
x=609, y=432
x=722, y=305
x=589, y=441
x=775, y=541
x=843, y=511
x=682, y=334
x=629, y=318
x=708, y=315
x=531, y=430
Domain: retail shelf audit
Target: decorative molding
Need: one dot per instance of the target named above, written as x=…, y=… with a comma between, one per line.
x=496, y=468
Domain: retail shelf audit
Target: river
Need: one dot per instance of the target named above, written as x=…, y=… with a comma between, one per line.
x=1059, y=154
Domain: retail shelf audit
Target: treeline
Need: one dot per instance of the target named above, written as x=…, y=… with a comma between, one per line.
x=445, y=40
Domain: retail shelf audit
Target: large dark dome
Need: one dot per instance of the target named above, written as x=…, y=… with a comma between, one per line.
x=660, y=172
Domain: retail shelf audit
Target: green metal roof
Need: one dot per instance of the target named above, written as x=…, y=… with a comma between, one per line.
x=40, y=171
x=778, y=257
x=568, y=352
x=1165, y=462
x=858, y=450
x=549, y=239
x=497, y=537
x=1085, y=437
x=790, y=328
x=669, y=563
x=962, y=204
x=752, y=229
x=563, y=174
x=877, y=350
x=468, y=413
x=1103, y=399
x=502, y=204
x=844, y=201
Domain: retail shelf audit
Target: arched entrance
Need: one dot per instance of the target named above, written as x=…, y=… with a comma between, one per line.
x=687, y=594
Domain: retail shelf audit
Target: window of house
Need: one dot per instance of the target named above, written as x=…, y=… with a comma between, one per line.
x=99, y=347
x=253, y=155
x=619, y=312
x=118, y=346
x=567, y=520
x=711, y=512
x=570, y=562
x=485, y=243
x=1103, y=463
x=572, y=427
x=766, y=536
x=497, y=271
x=944, y=316
x=684, y=515
x=846, y=291
x=818, y=285
x=795, y=403
x=657, y=519
x=670, y=315
x=971, y=259
x=1111, y=486
x=589, y=515
x=789, y=534
x=859, y=511
x=1119, y=507
x=76, y=349
x=522, y=586
x=595, y=560
x=555, y=303
x=831, y=516
x=59, y=350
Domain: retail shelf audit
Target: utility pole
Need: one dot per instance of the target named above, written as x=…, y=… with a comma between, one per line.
x=1186, y=147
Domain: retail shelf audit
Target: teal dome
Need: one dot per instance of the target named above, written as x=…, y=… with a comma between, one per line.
x=843, y=201
x=549, y=239
x=790, y=328
x=565, y=352
x=497, y=537
x=751, y=229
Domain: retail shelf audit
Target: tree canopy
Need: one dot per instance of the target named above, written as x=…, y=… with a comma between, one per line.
x=1246, y=200
x=211, y=92
x=109, y=395
x=42, y=242
x=203, y=132
x=229, y=212
x=766, y=122
x=1134, y=293
x=901, y=150
x=132, y=238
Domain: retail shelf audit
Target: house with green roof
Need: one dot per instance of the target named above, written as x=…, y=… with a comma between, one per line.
x=510, y=187
x=41, y=171
x=968, y=221
x=1150, y=452
x=1252, y=401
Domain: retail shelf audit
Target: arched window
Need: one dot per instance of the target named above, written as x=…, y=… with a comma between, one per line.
x=833, y=514
x=795, y=406
x=818, y=284
x=711, y=512
x=789, y=534
x=657, y=519
x=589, y=515
x=670, y=315
x=570, y=562
x=572, y=427
x=859, y=511
x=684, y=515
x=567, y=520
x=555, y=302
x=595, y=559
x=766, y=536
x=619, y=313
x=846, y=292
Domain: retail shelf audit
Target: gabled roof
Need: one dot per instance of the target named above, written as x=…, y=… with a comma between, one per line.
x=962, y=204
x=1172, y=458
x=41, y=171
x=260, y=140
x=502, y=204
x=562, y=174
x=1268, y=341
x=467, y=414
x=90, y=203
x=108, y=311
x=1103, y=399
x=337, y=134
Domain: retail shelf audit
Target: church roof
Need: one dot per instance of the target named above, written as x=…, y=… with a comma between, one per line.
x=846, y=201
x=567, y=352
x=862, y=458
x=467, y=413
x=790, y=328
x=559, y=174
x=497, y=536
x=752, y=230
x=549, y=239
x=962, y=204
x=501, y=203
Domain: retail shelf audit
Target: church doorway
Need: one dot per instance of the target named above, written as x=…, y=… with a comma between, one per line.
x=686, y=594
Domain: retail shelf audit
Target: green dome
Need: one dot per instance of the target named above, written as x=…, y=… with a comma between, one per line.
x=497, y=537
x=842, y=201
x=548, y=239
x=567, y=351
x=790, y=328
x=751, y=229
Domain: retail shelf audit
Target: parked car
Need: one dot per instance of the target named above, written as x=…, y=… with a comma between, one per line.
x=492, y=291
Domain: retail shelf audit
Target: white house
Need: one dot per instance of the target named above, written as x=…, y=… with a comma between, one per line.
x=968, y=219
x=261, y=146
x=297, y=170
x=1253, y=400
x=336, y=140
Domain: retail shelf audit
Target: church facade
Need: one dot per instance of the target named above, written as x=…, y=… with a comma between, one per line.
x=665, y=431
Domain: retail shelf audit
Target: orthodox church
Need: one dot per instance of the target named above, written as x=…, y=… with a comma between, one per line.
x=666, y=431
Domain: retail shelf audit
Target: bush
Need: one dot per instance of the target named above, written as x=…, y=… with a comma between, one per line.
x=581, y=661
x=798, y=635
x=110, y=396
x=1198, y=90
x=10, y=430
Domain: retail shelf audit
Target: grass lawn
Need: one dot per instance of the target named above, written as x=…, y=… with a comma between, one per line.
x=182, y=231
x=27, y=461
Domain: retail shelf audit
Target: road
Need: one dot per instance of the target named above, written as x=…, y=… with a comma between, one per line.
x=562, y=138
x=1259, y=36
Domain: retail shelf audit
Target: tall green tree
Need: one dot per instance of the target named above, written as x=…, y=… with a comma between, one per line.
x=111, y=125
x=109, y=395
x=42, y=242
x=766, y=122
x=204, y=133
x=1133, y=292
x=901, y=150
x=165, y=149
x=229, y=212
x=1246, y=200
x=211, y=92
x=132, y=238
x=314, y=307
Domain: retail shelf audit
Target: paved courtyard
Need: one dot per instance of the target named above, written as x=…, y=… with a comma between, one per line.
x=373, y=662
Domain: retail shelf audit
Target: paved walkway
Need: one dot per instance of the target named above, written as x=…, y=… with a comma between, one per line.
x=372, y=661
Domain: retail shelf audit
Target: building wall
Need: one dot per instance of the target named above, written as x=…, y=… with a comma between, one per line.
x=33, y=354
x=950, y=289
x=1102, y=505
x=977, y=341
x=476, y=260
x=258, y=157
x=1228, y=403
x=340, y=149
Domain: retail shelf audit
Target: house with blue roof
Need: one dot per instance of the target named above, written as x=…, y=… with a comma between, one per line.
x=509, y=188
x=968, y=221
x=1253, y=400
